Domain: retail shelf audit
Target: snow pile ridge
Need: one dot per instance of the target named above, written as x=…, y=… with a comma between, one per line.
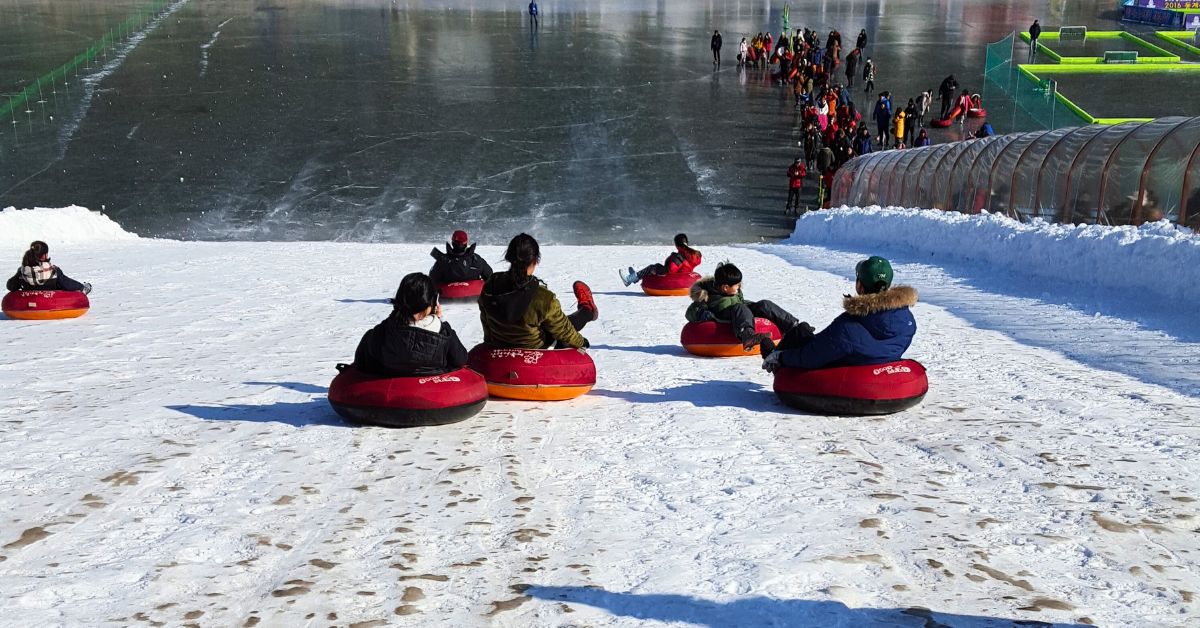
x=62, y=225
x=1155, y=259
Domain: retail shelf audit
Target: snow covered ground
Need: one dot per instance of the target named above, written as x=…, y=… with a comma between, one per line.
x=171, y=458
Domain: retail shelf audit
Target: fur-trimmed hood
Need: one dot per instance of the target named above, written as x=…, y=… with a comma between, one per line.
x=699, y=290
x=893, y=298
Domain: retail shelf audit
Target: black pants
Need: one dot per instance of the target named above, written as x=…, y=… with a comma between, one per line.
x=794, y=339
x=653, y=269
x=741, y=317
x=793, y=198
x=579, y=319
x=717, y=56
x=533, y=21
x=57, y=282
x=945, y=107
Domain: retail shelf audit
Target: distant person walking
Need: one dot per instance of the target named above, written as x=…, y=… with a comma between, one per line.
x=1035, y=31
x=869, y=75
x=716, y=47
x=924, y=102
x=861, y=44
x=852, y=60
x=946, y=91
x=533, y=15
x=795, y=181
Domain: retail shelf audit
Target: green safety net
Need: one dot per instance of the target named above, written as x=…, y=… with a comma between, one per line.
x=33, y=91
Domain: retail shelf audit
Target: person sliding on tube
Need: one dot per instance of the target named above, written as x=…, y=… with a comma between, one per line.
x=877, y=326
x=683, y=260
x=37, y=273
x=719, y=298
x=518, y=310
x=413, y=340
x=459, y=263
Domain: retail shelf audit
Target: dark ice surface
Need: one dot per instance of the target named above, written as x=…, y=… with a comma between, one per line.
x=373, y=120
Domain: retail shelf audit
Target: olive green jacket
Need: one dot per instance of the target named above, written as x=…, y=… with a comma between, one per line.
x=705, y=296
x=523, y=313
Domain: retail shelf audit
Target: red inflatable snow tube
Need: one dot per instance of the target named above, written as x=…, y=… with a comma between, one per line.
x=534, y=374
x=669, y=285
x=941, y=124
x=713, y=339
x=407, y=401
x=461, y=289
x=41, y=305
x=977, y=112
x=854, y=390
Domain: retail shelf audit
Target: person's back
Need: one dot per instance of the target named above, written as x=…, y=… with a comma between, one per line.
x=37, y=273
x=685, y=259
x=413, y=340
x=824, y=159
x=521, y=312
x=877, y=325
x=518, y=311
x=459, y=262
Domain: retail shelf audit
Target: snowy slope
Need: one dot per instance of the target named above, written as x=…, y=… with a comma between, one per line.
x=171, y=457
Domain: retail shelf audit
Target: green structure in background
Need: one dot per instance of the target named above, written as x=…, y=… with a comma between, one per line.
x=1145, y=52
x=35, y=90
x=1181, y=39
x=1032, y=86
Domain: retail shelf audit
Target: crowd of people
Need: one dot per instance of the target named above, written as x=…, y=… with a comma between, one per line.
x=833, y=129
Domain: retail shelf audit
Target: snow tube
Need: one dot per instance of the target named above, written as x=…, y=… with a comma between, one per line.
x=534, y=374
x=669, y=285
x=407, y=401
x=713, y=339
x=461, y=289
x=944, y=122
x=41, y=305
x=976, y=109
x=854, y=390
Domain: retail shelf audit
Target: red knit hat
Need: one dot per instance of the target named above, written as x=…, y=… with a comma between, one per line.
x=459, y=236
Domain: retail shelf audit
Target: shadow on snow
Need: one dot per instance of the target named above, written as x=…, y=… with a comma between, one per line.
x=315, y=411
x=764, y=611
x=704, y=394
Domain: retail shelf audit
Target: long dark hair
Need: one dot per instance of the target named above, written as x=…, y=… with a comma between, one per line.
x=522, y=251
x=416, y=292
x=681, y=242
x=33, y=257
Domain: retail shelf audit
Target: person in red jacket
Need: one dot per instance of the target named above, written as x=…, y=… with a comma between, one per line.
x=795, y=175
x=683, y=260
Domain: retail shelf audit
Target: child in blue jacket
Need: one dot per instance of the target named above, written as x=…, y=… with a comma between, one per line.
x=877, y=326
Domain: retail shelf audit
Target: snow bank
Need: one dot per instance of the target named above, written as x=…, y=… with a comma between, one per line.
x=63, y=225
x=1155, y=259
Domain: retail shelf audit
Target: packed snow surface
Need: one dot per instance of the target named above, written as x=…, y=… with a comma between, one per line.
x=171, y=457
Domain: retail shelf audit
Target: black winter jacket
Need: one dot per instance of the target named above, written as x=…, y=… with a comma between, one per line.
x=452, y=266
x=395, y=349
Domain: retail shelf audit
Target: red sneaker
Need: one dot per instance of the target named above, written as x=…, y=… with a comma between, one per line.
x=583, y=294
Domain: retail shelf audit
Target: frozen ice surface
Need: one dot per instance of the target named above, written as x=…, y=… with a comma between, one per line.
x=400, y=121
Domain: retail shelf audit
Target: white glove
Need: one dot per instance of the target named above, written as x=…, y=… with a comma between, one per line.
x=771, y=363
